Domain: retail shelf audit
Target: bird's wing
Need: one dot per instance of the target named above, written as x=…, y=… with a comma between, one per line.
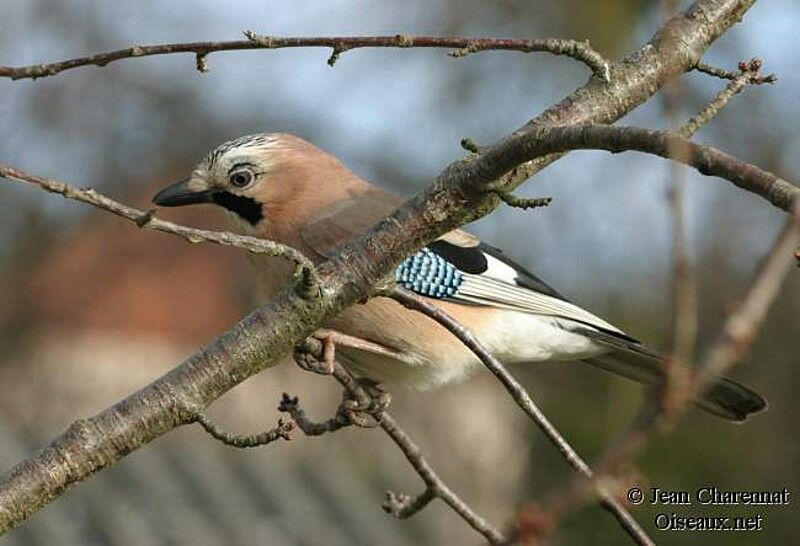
x=349, y=218
x=346, y=219
x=482, y=275
x=457, y=267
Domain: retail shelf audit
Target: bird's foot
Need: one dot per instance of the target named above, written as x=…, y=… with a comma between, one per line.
x=310, y=363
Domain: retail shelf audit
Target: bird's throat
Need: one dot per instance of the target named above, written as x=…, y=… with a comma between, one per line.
x=247, y=208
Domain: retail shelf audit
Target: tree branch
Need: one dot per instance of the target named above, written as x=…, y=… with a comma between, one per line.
x=748, y=75
x=280, y=432
x=705, y=159
x=740, y=329
x=676, y=395
x=580, y=51
x=399, y=505
x=676, y=47
x=147, y=220
x=263, y=337
x=731, y=74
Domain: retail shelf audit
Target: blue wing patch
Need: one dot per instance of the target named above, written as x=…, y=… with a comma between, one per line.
x=460, y=274
x=428, y=274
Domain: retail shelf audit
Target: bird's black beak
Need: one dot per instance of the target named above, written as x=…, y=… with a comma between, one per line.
x=179, y=194
x=182, y=193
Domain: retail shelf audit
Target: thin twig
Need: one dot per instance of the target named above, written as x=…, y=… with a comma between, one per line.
x=747, y=75
x=522, y=203
x=580, y=51
x=732, y=74
x=676, y=391
x=524, y=401
x=399, y=505
x=280, y=432
x=147, y=220
x=291, y=405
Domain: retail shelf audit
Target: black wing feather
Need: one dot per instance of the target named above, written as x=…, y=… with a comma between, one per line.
x=525, y=277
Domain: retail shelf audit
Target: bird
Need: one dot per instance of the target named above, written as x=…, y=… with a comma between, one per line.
x=280, y=187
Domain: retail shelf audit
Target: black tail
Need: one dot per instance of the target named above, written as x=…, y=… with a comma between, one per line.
x=724, y=398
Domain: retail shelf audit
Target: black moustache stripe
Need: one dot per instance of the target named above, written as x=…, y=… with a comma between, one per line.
x=246, y=207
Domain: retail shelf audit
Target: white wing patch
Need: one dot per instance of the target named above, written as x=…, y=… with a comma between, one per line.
x=489, y=290
x=499, y=270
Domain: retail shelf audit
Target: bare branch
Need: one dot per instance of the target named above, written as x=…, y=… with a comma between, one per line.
x=675, y=48
x=520, y=202
x=684, y=282
x=741, y=328
x=291, y=405
x=705, y=159
x=676, y=395
x=580, y=51
x=748, y=75
x=147, y=220
x=399, y=505
x=524, y=401
x=732, y=75
x=280, y=432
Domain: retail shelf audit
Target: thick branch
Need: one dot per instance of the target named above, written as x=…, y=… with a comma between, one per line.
x=676, y=48
x=580, y=51
x=263, y=337
x=705, y=159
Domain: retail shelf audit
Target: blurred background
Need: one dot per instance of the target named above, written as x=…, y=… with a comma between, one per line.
x=92, y=308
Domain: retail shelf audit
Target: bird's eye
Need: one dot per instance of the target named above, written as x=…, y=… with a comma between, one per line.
x=241, y=178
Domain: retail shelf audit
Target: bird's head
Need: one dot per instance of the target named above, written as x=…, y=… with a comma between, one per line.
x=258, y=179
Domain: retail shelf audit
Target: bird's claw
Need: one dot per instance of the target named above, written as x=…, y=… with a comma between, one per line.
x=309, y=363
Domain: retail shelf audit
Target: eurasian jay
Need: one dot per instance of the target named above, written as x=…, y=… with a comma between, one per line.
x=280, y=187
